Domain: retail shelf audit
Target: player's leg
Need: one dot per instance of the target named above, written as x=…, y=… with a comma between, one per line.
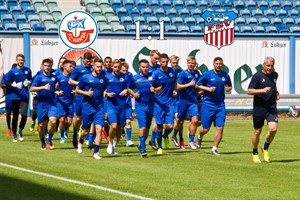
x=176, y=121
x=42, y=123
x=98, y=138
x=8, y=109
x=169, y=121
x=33, y=114
x=160, y=120
x=88, y=116
x=143, y=122
x=16, y=107
x=61, y=115
x=24, y=109
x=220, y=118
x=112, y=117
x=206, y=122
x=193, y=113
x=77, y=119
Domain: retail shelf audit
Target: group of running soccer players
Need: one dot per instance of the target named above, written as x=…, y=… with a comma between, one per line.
x=98, y=92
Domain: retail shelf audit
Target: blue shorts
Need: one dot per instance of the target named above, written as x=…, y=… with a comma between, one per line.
x=8, y=105
x=176, y=106
x=144, y=117
x=45, y=111
x=260, y=114
x=164, y=114
x=184, y=109
x=116, y=116
x=105, y=104
x=216, y=115
x=92, y=115
x=65, y=110
x=78, y=105
x=129, y=112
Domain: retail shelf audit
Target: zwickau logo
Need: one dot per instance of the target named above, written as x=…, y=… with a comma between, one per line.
x=78, y=30
x=219, y=28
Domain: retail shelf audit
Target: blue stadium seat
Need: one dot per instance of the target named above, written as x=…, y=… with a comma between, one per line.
x=155, y=29
x=101, y=20
x=134, y=13
x=131, y=28
x=190, y=21
x=105, y=28
x=264, y=22
x=269, y=13
x=20, y=19
x=89, y=4
x=33, y=19
x=165, y=4
x=227, y=5
x=235, y=11
x=25, y=27
x=271, y=29
x=171, y=29
x=293, y=13
x=3, y=10
x=2, y=3
x=10, y=27
x=196, y=29
x=153, y=4
x=128, y=4
x=252, y=21
x=96, y=11
x=51, y=3
x=152, y=21
x=51, y=27
x=257, y=13
x=251, y=5
x=55, y=11
x=121, y=12
x=118, y=28
x=263, y=5
x=246, y=29
x=200, y=21
x=297, y=21
x=245, y=13
x=115, y=4
x=239, y=5
x=276, y=22
x=281, y=13
x=183, y=13
x=178, y=4
x=274, y=5
x=183, y=29
x=42, y=11
x=167, y=20
x=288, y=22
x=103, y=3
x=144, y=29
x=202, y=5
x=29, y=11
x=258, y=29
x=283, y=29
x=190, y=4
x=146, y=12
x=296, y=5
x=159, y=13
x=286, y=5
x=108, y=12
x=11, y=3
x=236, y=29
x=240, y=21
x=15, y=10
x=177, y=21
x=113, y=20
x=37, y=3
x=196, y=13
x=140, y=4
x=295, y=29
x=171, y=13
x=38, y=27
x=6, y=18
x=215, y=5
x=139, y=18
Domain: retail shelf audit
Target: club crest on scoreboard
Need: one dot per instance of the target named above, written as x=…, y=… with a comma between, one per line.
x=219, y=28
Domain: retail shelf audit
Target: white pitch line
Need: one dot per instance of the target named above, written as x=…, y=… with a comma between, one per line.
x=76, y=182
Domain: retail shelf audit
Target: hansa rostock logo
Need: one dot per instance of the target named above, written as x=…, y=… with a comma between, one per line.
x=78, y=30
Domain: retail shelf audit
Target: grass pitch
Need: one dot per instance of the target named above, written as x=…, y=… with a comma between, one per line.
x=177, y=174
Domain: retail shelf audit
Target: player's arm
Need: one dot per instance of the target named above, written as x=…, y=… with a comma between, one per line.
x=73, y=82
x=205, y=88
x=136, y=95
x=183, y=86
x=86, y=93
x=39, y=88
x=252, y=91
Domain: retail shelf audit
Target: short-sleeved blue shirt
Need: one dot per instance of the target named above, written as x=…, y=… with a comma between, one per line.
x=63, y=85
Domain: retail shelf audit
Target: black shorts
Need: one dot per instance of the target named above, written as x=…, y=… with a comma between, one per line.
x=261, y=113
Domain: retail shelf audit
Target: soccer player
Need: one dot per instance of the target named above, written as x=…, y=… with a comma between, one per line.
x=60, y=69
x=164, y=101
x=77, y=73
x=116, y=104
x=19, y=78
x=188, y=103
x=174, y=62
x=65, y=99
x=142, y=87
x=214, y=83
x=263, y=87
x=44, y=85
x=129, y=143
x=107, y=64
x=8, y=104
x=92, y=87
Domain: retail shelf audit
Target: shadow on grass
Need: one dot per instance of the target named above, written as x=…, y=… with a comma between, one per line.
x=237, y=152
x=12, y=188
x=286, y=161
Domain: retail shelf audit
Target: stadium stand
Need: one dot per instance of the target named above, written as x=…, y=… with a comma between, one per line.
x=171, y=29
x=258, y=29
x=196, y=29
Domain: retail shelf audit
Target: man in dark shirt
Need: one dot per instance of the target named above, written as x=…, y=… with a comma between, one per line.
x=263, y=87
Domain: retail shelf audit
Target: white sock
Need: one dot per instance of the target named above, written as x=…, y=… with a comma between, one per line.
x=214, y=148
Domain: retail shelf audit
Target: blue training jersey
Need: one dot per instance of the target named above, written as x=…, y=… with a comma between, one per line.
x=211, y=79
x=47, y=96
x=78, y=72
x=189, y=94
x=98, y=84
x=8, y=88
x=128, y=100
x=142, y=84
x=167, y=80
x=153, y=68
x=19, y=75
x=117, y=84
x=63, y=85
